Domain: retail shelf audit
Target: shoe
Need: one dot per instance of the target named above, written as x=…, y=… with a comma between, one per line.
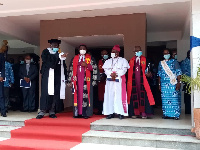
x=110, y=116
x=165, y=117
x=39, y=116
x=52, y=116
x=134, y=117
x=79, y=116
x=86, y=117
x=144, y=117
x=121, y=117
x=176, y=118
x=3, y=115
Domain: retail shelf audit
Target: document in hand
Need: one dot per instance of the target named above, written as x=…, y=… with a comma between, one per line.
x=24, y=84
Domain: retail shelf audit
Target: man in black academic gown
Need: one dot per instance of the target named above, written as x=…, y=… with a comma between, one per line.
x=50, y=82
x=2, y=78
x=29, y=73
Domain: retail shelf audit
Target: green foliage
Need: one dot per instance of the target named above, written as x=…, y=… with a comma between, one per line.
x=191, y=83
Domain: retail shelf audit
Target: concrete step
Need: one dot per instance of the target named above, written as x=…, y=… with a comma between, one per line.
x=91, y=146
x=156, y=126
x=143, y=140
x=11, y=123
x=5, y=131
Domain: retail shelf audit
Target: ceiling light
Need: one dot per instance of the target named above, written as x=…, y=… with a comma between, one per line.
x=1, y=4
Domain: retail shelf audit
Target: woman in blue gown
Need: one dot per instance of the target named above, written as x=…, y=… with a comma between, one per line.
x=169, y=73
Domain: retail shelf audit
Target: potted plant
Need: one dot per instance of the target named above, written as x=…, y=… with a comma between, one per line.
x=194, y=84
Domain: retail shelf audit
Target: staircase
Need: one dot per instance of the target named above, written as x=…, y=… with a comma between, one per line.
x=157, y=133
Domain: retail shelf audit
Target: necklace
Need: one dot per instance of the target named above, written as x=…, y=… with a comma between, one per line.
x=115, y=62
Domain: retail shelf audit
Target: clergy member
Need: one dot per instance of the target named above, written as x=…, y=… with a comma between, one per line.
x=115, y=97
x=102, y=82
x=50, y=83
x=140, y=98
x=82, y=78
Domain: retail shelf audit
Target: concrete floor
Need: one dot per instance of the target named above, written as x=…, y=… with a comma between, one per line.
x=18, y=116
x=156, y=121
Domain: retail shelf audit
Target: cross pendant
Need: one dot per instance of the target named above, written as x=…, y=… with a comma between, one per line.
x=137, y=68
x=80, y=68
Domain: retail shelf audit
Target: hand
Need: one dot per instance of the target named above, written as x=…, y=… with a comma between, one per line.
x=178, y=86
x=28, y=80
x=1, y=79
x=70, y=85
x=113, y=75
x=149, y=74
x=64, y=55
x=84, y=64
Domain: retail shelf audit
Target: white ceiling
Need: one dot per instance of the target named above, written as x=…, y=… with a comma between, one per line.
x=162, y=15
x=95, y=40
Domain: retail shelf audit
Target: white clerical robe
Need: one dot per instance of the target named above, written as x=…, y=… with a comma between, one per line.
x=113, y=90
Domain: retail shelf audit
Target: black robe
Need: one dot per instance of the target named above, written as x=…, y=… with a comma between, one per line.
x=59, y=102
x=49, y=61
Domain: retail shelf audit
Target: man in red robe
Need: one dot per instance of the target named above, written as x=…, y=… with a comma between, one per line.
x=102, y=82
x=82, y=77
x=140, y=98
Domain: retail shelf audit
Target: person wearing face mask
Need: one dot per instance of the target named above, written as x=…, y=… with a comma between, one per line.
x=82, y=77
x=28, y=72
x=102, y=82
x=169, y=73
x=140, y=97
x=51, y=75
x=115, y=98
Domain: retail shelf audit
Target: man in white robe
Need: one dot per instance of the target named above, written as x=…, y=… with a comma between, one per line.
x=115, y=97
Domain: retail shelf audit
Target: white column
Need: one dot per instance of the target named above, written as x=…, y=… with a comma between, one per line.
x=195, y=50
x=195, y=46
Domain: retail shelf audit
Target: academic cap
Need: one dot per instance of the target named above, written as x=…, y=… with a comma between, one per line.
x=54, y=41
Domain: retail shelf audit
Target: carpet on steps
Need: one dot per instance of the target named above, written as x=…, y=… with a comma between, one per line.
x=61, y=133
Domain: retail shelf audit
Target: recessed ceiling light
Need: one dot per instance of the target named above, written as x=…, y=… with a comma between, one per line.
x=1, y=4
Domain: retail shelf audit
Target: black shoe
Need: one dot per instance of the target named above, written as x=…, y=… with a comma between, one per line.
x=39, y=116
x=86, y=117
x=110, y=116
x=165, y=117
x=52, y=116
x=3, y=115
x=121, y=117
x=24, y=111
x=79, y=116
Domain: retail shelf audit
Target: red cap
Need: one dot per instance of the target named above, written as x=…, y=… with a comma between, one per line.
x=117, y=48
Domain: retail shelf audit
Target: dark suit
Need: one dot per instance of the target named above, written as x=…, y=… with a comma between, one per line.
x=2, y=70
x=29, y=93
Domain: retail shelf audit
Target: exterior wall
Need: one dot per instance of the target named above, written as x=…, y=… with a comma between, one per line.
x=133, y=27
x=66, y=48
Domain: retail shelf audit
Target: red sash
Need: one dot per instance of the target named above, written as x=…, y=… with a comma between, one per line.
x=88, y=76
x=146, y=84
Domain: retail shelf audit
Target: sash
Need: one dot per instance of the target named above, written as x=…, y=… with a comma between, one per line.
x=88, y=76
x=167, y=70
x=146, y=84
x=51, y=82
x=124, y=96
x=62, y=78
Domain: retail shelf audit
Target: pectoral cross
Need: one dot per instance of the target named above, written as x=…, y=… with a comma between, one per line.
x=137, y=68
x=80, y=68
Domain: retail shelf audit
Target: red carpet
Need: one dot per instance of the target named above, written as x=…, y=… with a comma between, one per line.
x=61, y=133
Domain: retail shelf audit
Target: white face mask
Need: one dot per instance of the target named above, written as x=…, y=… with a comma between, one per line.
x=28, y=61
x=82, y=52
x=113, y=55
